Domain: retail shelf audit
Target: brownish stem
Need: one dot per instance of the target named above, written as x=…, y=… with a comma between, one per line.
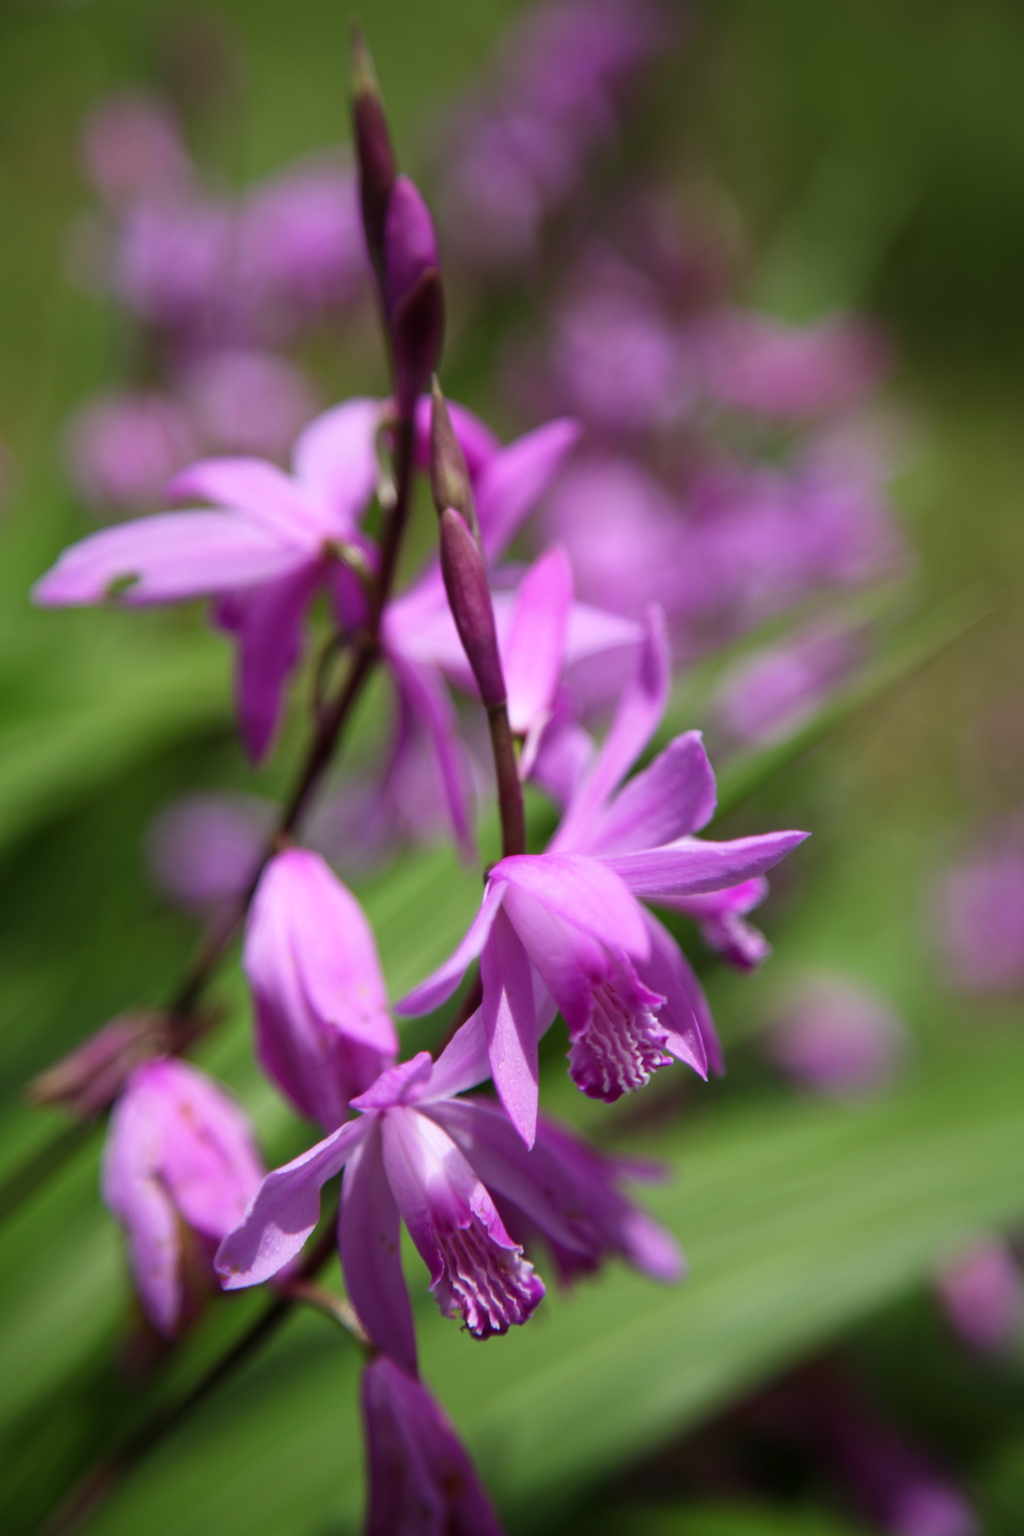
x=510, y=791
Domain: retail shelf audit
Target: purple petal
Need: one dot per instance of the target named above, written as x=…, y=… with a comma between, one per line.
x=510, y=1022
x=369, y=1233
x=534, y=650
x=693, y=865
x=285, y=1211
x=621, y=1041
x=561, y=761
x=438, y=987
x=134, y=1193
x=477, y=1271
x=583, y=891
x=167, y=558
x=402, y=1084
x=673, y=797
x=428, y=700
x=684, y=1012
x=515, y=478
x=636, y=719
x=269, y=629
x=335, y=459
x=261, y=492
x=464, y=1062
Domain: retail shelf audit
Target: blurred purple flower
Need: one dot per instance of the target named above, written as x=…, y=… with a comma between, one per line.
x=982, y=1294
x=173, y=266
x=131, y=147
x=205, y=848
x=768, y=695
x=123, y=448
x=323, y=1032
x=837, y=1038
x=421, y=1481
x=516, y=150
x=979, y=909
x=758, y=364
x=246, y=401
x=179, y=1169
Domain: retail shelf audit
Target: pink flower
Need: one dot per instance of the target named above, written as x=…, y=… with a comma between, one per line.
x=760, y=364
x=204, y=849
x=565, y=929
x=132, y=147
x=179, y=1169
x=419, y=1154
x=122, y=448
x=980, y=916
x=421, y=1481
x=323, y=1032
x=770, y=694
x=247, y=401
x=838, y=1039
x=981, y=1293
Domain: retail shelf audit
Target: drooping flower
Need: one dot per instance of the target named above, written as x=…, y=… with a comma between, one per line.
x=179, y=1169
x=420, y=1480
x=323, y=1031
x=565, y=929
x=440, y=1163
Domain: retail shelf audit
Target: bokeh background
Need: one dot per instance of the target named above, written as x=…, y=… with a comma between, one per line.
x=865, y=156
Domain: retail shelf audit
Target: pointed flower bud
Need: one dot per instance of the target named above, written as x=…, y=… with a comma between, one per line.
x=420, y=1478
x=323, y=1032
x=179, y=1169
x=376, y=157
x=413, y=291
x=89, y=1078
x=449, y=473
x=469, y=596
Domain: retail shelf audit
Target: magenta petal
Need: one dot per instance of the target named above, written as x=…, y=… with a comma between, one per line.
x=562, y=760
x=402, y=1084
x=510, y=1022
x=584, y=892
x=335, y=459
x=430, y=994
x=684, y=1013
x=370, y=1240
x=640, y=709
x=534, y=650
x=464, y=1062
x=260, y=491
x=144, y=1209
x=285, y=1211
x=514, y=479
x=269, y=628
x=421, y=1481
x=693, y=865
x=428, y=701
x=167, y=558
x=673, y=797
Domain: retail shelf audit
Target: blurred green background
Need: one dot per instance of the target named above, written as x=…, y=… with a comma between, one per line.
x=873, y=152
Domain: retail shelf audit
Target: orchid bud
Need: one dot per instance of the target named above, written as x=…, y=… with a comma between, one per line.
x=449, y=473
x=179, y=1169
x=89, y=1078
x=323, y=1032
x=420, y=1477
x=413, y=291
x=376, y=157
x=469, y=597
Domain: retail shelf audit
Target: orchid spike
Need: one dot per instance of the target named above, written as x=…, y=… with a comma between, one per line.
x=179, y=1168
x=323, y=1032
x=566, y=929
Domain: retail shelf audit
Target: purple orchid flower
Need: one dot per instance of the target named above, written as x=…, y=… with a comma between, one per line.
x=323, y=1032
x=981, y=1292
x=122, y=448
x=565, y=929
x=421, y=1481
x=720, y=916
x=262, y=554
x=179, y=1168
x=440, y=1163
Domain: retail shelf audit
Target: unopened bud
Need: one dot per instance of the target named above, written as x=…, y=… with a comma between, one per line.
x=88, y=1079
x=449, y=474
x=376, y=157
x=413, y=291
x=469, y=597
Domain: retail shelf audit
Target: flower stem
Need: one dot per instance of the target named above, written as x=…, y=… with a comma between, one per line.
x=510, y=790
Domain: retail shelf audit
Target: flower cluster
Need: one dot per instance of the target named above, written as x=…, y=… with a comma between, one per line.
x=490, y=1190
